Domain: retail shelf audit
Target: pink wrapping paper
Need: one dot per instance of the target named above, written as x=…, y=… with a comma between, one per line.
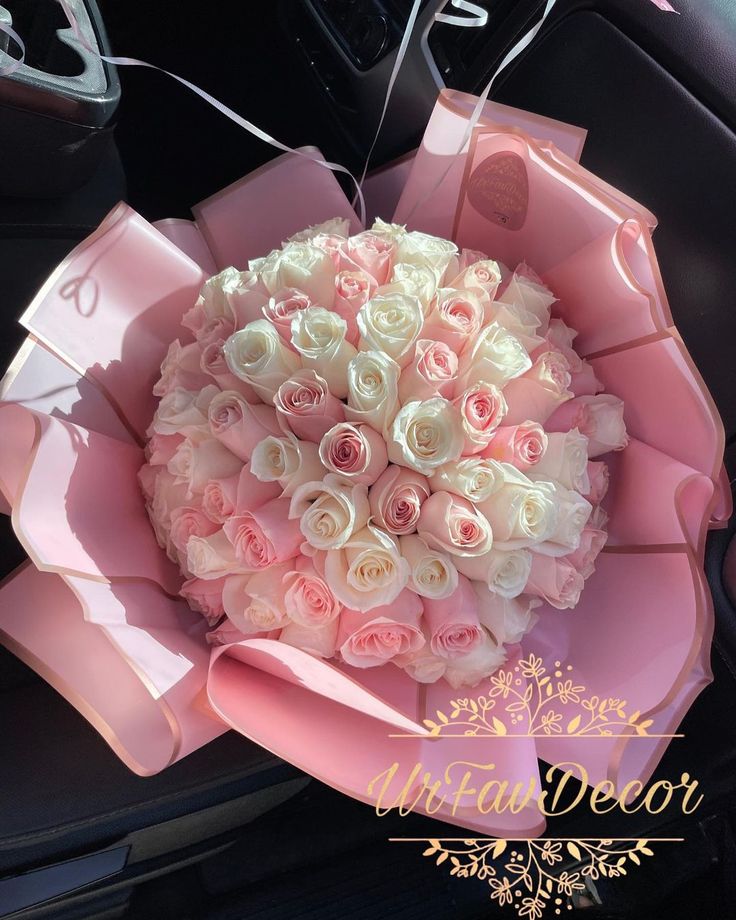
x=99, y=608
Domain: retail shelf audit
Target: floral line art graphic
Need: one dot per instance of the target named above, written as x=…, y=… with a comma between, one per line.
x=538, y=702
x=526, y=879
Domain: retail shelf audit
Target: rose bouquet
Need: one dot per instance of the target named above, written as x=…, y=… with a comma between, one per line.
x=351, y=456
x=377, y=462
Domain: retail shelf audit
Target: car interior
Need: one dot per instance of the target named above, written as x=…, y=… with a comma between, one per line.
x=231, y=831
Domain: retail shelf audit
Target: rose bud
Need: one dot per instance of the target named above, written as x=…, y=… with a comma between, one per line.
x=504, y=571
x=231, y=295
x=182, y=412
x=302, y=266
x=385, y=634
x=452, y=622
x=431, y=373
x=214, y=363
x=539, y=391
x=352, y=291
x=189, y=522
x=482, y=409
x=252, y=492
x=181, y=368
x=239, y=425
x=418, y=281
x=508, y=620
x=357, y=452
x=417, y=248
x=592, y=541
x=264, y=536
x=212, y=557
x=396, y=499
x=599, y=418
x=471, y=669
x=555, y=581
x=391, y=323
x=162, y=447
x=368, y=571
x=573, y=513
x=219, y=498
x=522, y=513
x=308, y=598
x=452, y=524
x=599, y=477
x=370, y=253
x=433, y=574
x=522, y=446
x=454, y=318
x=305, y=406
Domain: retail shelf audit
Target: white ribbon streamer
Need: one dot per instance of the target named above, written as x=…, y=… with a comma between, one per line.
x=464, y=22
x=7, y=69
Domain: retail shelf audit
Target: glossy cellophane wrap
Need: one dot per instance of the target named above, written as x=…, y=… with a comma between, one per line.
x=96, y=611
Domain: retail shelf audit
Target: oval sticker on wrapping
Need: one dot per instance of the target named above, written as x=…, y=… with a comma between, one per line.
x=499, y=190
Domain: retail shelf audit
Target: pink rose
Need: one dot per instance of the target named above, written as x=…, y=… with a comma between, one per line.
x=540, y=390
x=454, y=318
x=320, y=641
x=521, y=445
x=205, y=597
x=239, y=425
x=219, y=498
x=482, y=408
x=396, y=499
x=370, y=253
x=384, y=634
x=195, y=463
x=283, y=307
x=584, y=382
x=477, y=665
x=212, y=557
x=264, y=536
x=526, y=288
x=180, y=368
x=225, y=634
x=212, y=362
x=356, y=452
x=255, y=603
x=599, y=418
x=217, y=329
x=592, y=541
x=252, y=492
x=308, y=599
x=564, y=461
x=508, y=620
x=453, y=624
x=305, y=406
x=431, y=373
x=352, y=290
x=469, y=257
x=598, y=477
x=162, y=447
x=182, y=412
x=422, y=665
x=189, y=522
x=482, y=277
x=450, y=523
x=555, y=580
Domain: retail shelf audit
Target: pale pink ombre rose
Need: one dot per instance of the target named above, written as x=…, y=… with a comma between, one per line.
x=182, y=412
x=483, y=277
x=468, y=257
x=369, y=571
x=330, y=511
x=215, y=330
x=212, y=362
x=283, y=307
x=308, y=599
x=162, y=447
x=352, y=290
x=181, y=368
x=469, y=670
x=540, y=390
x=565, y=461
x=383, y=635
x=219, y=498
x=265, y=536
x=431, y=373
x=319, y=641
x=288, y=461
x=422, y=665
x=598, y=476
x=255, y=602
x=305, y=406
x=452, y=622
x=189, y=522
x=454, y=318
x=592, y=541
x=370, y=253
x=556, y=581
x=599, y=418
x=357, y=452
x=196, y=462
x=523, y=446
x=205, y=597
x=452, y=524
x=239, y=425
x=252, y=492
x=396, y=499
x=482, y=409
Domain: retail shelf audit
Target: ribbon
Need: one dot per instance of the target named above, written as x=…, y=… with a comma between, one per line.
x=464, y=22
x=7, y=69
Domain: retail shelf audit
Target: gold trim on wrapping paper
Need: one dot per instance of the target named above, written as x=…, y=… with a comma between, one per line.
x=534, y=709
x=526, y=880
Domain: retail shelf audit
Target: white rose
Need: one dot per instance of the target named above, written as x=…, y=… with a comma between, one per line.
x=335, y=226
x=426, y=435
x=504, y=571
x=212, y=557
x=573, y=513
x=522, y=513
x=369, y=571
x=195, y=463
x=330, y=511
x=434, y=252
x=416, y=280
x=564, y=461
x=471, y=477
x=257, y=355
x=319, y=336
x=432, y=573
x=515, y=318
x=534, y=298
x=507, y=620
x=391, y=323
x=301, y=266
x=373, y=390
x=496, y=356
x=183, y=412
x=390, y=232
x=286, y=460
